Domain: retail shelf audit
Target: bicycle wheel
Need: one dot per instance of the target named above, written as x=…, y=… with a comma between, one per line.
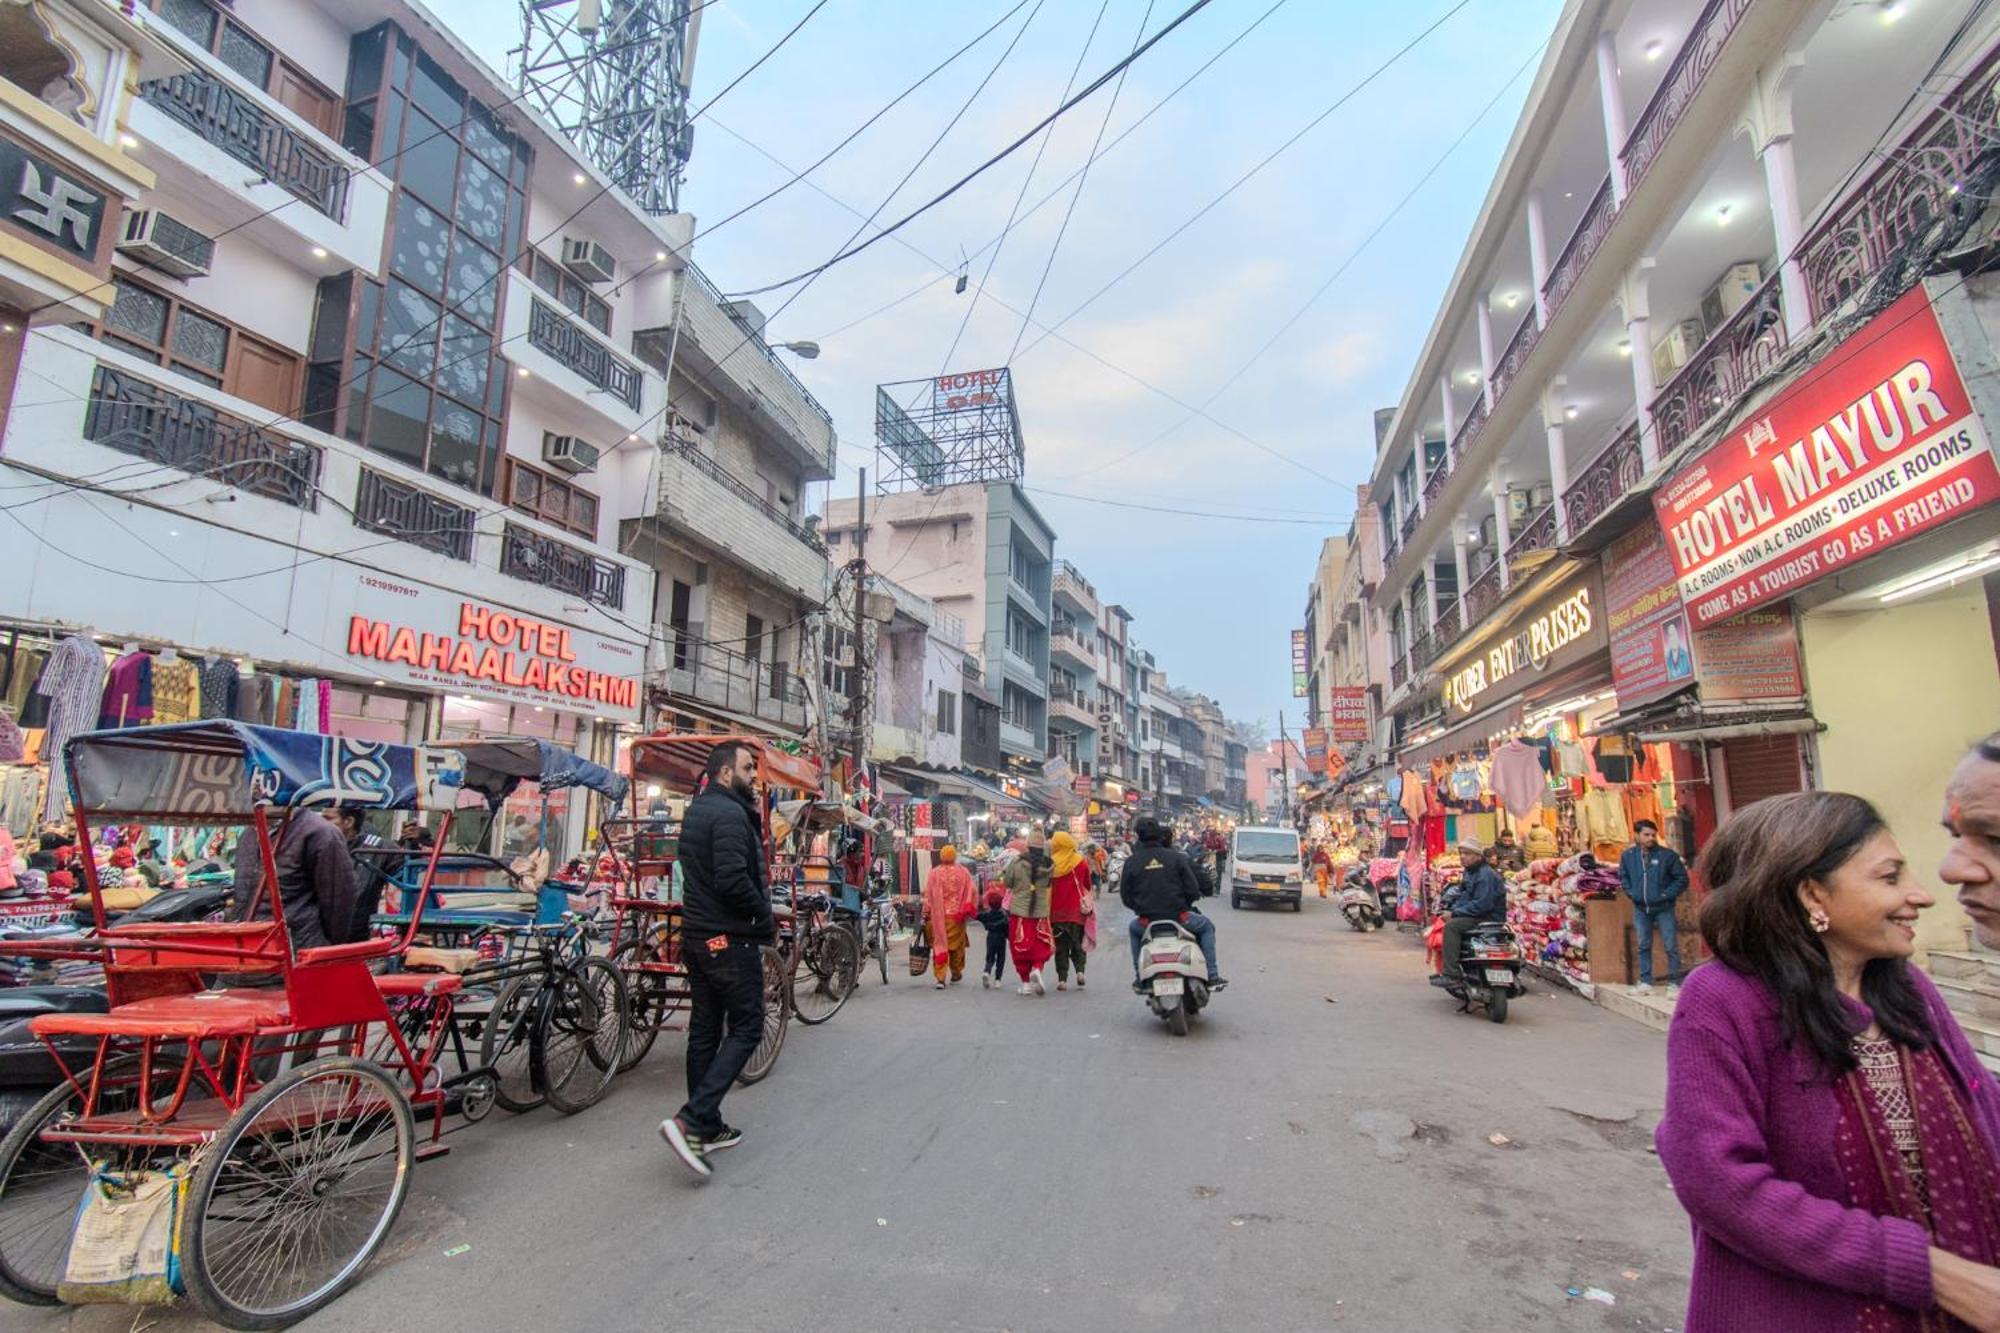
x=581, y=1035
x=777, y=1017
x=506, y=1045
x=647, y=1001
x=297, y=1193
x=826, y=975
x=882, y=947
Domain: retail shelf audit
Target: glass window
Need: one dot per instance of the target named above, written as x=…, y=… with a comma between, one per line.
x=483, y=138
x=193, y=17
x=201, y=342
x=482, y=201
x=329, y=327
x=139, y=312
x=418, y=252
x=364, y=61
x=475, y=281
x=463, y=360
x=391, y=143
x=357, y=131
x=245, y=54
x=409, y=334
x=436, y=91
x=455, y=444
x=583, y=511
x=397, y=413
x=429, y=165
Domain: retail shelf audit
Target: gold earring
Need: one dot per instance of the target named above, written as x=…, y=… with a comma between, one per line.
x=1821, y=923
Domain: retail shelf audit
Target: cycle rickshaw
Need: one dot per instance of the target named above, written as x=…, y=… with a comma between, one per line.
x=232, y=1063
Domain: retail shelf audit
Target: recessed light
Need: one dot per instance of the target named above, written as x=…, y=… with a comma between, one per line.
x=1655, y=48
x=659, y=256
x=1570, y=412
x=1624, y=347
x=1471, y=377
x=1512, y=299
x=1892, y=10
x=579, y=178
x=1722, y=216
x=1569, y=194
x=8, y=328
x=319, y=252
x=522, y=372
x=128, y=140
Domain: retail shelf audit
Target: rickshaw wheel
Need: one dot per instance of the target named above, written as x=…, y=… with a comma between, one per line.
x=506, y=1046
x=646, y=998
x=297, y=1192
x=581, y=1036
x=40, y=1184
x=777, y=1017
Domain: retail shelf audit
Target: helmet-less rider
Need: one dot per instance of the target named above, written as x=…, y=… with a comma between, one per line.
x=1159, y=884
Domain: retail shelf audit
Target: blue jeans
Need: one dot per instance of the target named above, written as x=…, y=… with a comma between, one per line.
x=1198, y=926
x=1644, y=919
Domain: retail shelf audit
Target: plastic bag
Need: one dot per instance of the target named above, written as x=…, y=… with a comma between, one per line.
x=125, y=1248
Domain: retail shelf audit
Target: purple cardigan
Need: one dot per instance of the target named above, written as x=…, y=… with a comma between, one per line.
x=1748, y=1141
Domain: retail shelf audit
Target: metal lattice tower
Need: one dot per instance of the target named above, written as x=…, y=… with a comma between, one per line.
x=957, y=428
x=613, y=75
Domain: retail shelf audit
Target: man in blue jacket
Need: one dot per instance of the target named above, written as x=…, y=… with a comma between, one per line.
x=1481, y=896
x=1653, y=876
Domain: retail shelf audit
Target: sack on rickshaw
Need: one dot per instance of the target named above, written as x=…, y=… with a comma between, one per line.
x=920, y=948
x=125, y=1248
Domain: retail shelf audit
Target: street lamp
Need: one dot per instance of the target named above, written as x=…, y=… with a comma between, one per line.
x=805, y=351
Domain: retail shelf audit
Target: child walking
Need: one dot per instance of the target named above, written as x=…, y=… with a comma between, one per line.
x=993, y=916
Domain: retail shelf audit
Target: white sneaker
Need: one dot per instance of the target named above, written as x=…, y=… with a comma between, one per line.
x=1035, y=980
x=1026, y=989
x=1062, y=985
x=1079, y=981
x=1643, y=988
x=986, y=981
x=1673, y=991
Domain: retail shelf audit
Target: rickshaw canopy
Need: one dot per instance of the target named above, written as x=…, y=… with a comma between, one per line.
x=818, y=816
x=676, y=761
x=495, y=767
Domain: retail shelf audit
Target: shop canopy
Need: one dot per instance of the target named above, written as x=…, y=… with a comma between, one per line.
x=222, y=771
x=1475, y=731
x=503, y=763
x=952, y=783
x=818, y=816
x=676, y=761
x=1685, y=718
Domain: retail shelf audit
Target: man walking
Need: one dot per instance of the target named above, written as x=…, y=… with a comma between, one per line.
x=1653, y=876
x=725, y=919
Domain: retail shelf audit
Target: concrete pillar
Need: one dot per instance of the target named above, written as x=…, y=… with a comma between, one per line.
x=1485, y=320
x=1450, y=411
x=1409, y=629
x=1538, y=255
x=1633, y=298
x=1612, y=100
x=1458, y=561
x=1503, y=537
x=1554, y=419
x=1423, y=469
x=1431, y=586
x=1767, y=123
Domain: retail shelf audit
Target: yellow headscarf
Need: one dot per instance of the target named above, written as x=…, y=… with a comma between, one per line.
x=1062, y=851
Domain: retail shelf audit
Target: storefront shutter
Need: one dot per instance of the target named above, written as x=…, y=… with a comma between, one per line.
x=1761, y=766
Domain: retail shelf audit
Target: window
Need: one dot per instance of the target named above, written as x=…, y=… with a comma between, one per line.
x=567, y=288
x=168, y=332
x=947, y=713
x=551, y=499
x=677, y=620
x=254, y=59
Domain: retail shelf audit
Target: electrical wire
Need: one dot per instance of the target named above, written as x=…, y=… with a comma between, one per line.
x=1191, y=513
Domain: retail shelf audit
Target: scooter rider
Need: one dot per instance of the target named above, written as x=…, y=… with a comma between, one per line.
x=1159, y=884
x=1481, y=897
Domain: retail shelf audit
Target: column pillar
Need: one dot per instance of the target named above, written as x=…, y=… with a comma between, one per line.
x=1611, y=98
x=1423, y=469
x=1485, y=321
x=1458, y=562
x=1450, y=412
x=1502, y=536
x=1431, y=587
x=1633, y=298
x=1767, y=124
x=1409, y=630
x=1554, y=419
x=1538, y=255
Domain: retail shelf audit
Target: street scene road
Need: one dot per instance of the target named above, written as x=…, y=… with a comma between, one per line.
x=1314, y=1155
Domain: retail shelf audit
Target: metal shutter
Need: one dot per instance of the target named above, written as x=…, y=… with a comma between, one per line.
x=1761, y=766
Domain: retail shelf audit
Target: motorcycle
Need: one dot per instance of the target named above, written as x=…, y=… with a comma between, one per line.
x=1490, y=962
x=1358, y=902
x=1173, y=974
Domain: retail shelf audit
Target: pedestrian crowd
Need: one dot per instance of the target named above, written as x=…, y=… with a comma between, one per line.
x=1042, y=909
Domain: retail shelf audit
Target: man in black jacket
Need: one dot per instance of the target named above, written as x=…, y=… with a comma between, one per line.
x=1159, y=884
x=725, y=919
x=1481, y=896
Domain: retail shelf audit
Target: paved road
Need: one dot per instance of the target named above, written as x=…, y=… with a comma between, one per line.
x=976, y=1160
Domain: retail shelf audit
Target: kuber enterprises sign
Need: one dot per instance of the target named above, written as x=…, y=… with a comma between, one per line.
x=1559, y=631
x=1873, y=445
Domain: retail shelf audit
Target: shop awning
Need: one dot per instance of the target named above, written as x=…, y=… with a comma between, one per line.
x=1686, y=718
x=954, y=784
x=1474, y=731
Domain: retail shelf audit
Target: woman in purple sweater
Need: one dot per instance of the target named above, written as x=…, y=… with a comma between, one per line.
x=1828, y=1128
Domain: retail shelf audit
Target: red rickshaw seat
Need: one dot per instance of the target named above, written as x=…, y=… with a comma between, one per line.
x=396, y=984
x=380, y=946
x=198, y=1017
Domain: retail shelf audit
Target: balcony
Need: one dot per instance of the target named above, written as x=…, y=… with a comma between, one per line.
x=1678, y=88
x=1072, y=587
x=1581, y=248
x=253, y=136
x=1399, y=671
x=552, y=331
x=1409, y=525
x=1538, y=535
x=534, y=558
x=1468, y=431
x=1067, y=639
x=1434, y=486
x=1448, y=627
x=1482, y=596
x=724, y=678
x=1424, y=649
x=1604, y=482
x=573, y=375
x=701, y=500
x=137, y=417
x=1515, y=355
x=411, y=514
x=725, y=347
x=1071, y=706
x=1018, y=738
x=1747, y=345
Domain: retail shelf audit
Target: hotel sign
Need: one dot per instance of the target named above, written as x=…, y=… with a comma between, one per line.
x=1563, y=628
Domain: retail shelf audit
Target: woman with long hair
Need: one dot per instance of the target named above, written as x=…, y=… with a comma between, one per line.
x=1828, y=1128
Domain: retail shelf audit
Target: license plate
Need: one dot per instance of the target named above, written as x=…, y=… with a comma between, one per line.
x=1166, y=985
x=1499, y=976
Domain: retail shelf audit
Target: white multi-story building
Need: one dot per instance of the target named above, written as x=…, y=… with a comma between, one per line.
x=1073, y=648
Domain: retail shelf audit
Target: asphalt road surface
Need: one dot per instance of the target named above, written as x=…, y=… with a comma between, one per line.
x=1315, y=1155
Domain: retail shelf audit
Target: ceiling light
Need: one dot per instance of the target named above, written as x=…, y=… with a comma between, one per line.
x=1570, y=412
x=659, y=256
x=319, y=252
x=1471, y=377
x=579, y=178
x=1655, y=48
x=381, y=682
x=128, y=140
x=522, y=372
x=1722, y=216
x=1512, y=299
x=1892, y=10
x=1569, y=194
x=1943, y=578
x=8, y=328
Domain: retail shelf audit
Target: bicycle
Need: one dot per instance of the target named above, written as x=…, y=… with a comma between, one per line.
x=822, y=959
x=556, y=1031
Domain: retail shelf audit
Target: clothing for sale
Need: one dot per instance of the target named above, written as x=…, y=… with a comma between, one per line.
x=1465, y=784
x=128, y=692
x=256, y=700
x=176, y=692
x=13, y=745
x=1614, y=760
x=1518, y=778
x=1643, y=802
x=72, y=680
x=218, y=687
x=1570, y=759
x=1415, y=799
x=20, y=800
x=1601, y=816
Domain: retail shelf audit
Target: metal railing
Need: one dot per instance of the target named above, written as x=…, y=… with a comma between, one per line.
x=235, y=123
x=686, y=448
x=1747, y=344
x=552, y=331
x=1539, y=535
x=1916, y=182
x=754, y=338
x=1468, y=431
x=140, y=418
x=1604, y=481
x=529, y=556
x=1410, y=521
x=1516, y=354
x=1434, y=485
x=1678, y=88
x=1482, y=596
x=1423, y=649
x=1580, y=248
x=731, y=679
x=1399, y=671
x=1065, y=571
x=1448, y=627
x=412, y=514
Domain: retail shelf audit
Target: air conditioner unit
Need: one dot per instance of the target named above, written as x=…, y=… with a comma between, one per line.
x=1731, y=292
x=566, y=453
x=167, y=243
x=588, y=260
x=1676, y=349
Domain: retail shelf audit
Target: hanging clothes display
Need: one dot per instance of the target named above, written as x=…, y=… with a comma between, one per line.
x=218, y=687
x=20, y=800
x=13, y=745
x=1518, y=778
x=176, y=691
x=72, y=680
x=128, y=691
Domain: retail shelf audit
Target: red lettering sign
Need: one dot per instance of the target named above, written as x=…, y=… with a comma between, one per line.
x=497, y=646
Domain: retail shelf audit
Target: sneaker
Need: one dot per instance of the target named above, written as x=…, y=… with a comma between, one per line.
x=685, y=1147
x=1217, y=983
x=1026, y=989
x=937, y=985
x=1079, y=981
x=728, y=1138
x=986, y=981
x=1035, y=980
x=1062, y=985
x=1643, y=988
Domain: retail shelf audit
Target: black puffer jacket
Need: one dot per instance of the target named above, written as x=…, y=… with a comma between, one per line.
x=1158, y=883
x=722, y=862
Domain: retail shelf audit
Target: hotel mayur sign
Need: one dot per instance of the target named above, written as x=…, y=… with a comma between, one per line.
x=1561, y=629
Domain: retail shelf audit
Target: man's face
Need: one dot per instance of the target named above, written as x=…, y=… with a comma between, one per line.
x=1471, y=860
x=1648, y=839
x=743, y=773
x=1972, y=862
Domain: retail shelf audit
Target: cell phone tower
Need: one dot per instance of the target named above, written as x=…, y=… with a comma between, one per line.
x=613, y=75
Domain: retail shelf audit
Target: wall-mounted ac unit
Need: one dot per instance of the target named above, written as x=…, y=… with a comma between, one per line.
x=588, y=260
x=1731, y=292
x=566, y=453
x=167, y=243
x=1676, y=349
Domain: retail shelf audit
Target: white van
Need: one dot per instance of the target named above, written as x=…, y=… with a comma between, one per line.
x=1264, y=867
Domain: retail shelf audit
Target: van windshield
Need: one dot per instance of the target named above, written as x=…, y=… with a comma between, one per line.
x=1252, y=846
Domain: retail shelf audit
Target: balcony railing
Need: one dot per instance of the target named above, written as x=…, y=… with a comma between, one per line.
x=553, y=332
x=1581, y=248
x=233, y=122
x=1392, y=546
x=1068, y=573
x=1604, y=481
x=1915, y=183
x=1448, y=627
x=708, y=467
x=1482, y=596
x=1434, y=487
x=1468, y=430
x=1399, y=672
x=1423, y=648
x=1409, y=524
x=529, y=556
x=755, y=338
x=137, y=417
x=1747, y=345
x=733, y=680
x=1677, y=90
x=412, y=514
x=1516, y=354
x=1539, y=535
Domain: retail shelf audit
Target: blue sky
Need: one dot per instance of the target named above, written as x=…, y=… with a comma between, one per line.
x=1213, y=598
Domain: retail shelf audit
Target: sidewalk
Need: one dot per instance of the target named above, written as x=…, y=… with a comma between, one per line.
x=1653, y=1010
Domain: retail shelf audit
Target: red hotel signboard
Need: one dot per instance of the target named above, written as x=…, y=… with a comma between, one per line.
x=1874, y=444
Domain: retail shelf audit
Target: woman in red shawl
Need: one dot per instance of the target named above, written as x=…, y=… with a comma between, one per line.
x=950, y=899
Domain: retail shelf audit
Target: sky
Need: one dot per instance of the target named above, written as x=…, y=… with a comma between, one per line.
x=1281, y=439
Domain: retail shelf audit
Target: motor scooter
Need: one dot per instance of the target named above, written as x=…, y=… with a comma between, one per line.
x=1358, y=902
x=1490, y=963
x=1173, y=974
